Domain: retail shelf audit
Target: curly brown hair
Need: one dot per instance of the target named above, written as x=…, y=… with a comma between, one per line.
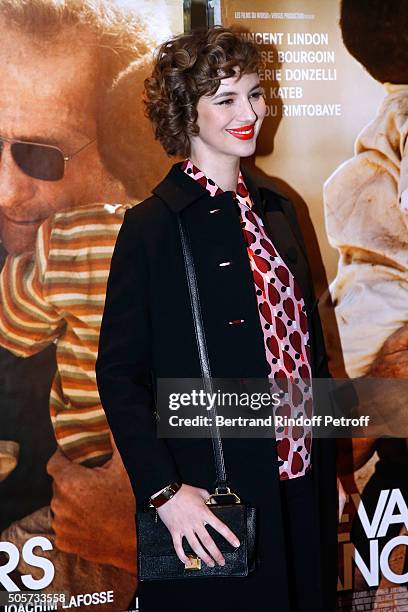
x=186, y=68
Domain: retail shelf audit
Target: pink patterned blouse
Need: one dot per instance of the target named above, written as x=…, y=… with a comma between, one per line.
x=284, y=324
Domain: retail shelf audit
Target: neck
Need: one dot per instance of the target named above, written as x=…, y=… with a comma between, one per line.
x=223, y=170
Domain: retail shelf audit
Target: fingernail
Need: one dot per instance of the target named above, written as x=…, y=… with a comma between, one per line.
x=211, y=564
x=222, y=563
x=237, y=543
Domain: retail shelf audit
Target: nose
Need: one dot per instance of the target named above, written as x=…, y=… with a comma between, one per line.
x=15, y=186
x=247, y=111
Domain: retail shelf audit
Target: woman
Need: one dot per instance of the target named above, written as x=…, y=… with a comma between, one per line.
x=205, y=102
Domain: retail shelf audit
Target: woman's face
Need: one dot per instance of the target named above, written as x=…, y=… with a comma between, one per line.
x=231, y=118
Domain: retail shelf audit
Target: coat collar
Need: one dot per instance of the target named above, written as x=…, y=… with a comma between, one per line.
x=178, y=190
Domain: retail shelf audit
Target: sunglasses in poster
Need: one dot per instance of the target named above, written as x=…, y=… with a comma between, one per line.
x=38, y=160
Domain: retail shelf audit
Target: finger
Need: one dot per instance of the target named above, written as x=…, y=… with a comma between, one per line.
x=198, y=549
x=179, y=549
x=207, y=541
x=223, y=529
x=57, y=462
x=61, y=468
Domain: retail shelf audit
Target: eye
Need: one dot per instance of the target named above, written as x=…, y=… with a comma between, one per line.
x=226, y=102
x=257, y=94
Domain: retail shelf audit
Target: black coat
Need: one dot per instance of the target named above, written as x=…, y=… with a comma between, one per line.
x=148, y=328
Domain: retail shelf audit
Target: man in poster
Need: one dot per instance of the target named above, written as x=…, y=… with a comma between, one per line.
x=51, y=94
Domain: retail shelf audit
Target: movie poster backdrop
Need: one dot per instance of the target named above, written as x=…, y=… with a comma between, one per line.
x=66, y=508
x=67, y=529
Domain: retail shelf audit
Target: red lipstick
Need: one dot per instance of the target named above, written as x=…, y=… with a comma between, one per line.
x=245, y=132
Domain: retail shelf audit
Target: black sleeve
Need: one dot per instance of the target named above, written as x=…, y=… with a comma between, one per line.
x=124, y=368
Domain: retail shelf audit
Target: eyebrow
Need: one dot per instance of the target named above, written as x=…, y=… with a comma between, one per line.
x=62, y=143
x=40, y=140
x=234, y=93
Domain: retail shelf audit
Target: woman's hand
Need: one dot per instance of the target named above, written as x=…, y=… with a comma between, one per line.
x=186, y=514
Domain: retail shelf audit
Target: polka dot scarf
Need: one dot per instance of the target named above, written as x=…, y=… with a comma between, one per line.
x=284, y=325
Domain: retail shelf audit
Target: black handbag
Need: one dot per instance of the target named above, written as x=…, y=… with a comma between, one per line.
x=157, y=559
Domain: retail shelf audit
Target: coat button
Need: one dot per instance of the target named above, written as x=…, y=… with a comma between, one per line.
x=236, y=321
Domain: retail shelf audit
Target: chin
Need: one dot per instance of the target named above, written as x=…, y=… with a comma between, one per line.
x=18, y=242
x=246, y=149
